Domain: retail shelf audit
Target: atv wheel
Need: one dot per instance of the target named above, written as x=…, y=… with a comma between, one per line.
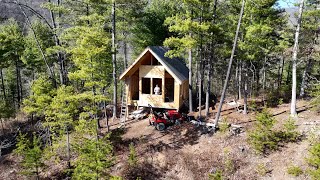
x=160, y=126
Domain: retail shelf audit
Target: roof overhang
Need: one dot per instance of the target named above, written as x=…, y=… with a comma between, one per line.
x=121, y=77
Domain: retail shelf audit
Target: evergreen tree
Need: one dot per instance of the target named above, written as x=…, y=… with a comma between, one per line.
x=31, y=153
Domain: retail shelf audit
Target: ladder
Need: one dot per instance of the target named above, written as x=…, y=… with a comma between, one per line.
x=124, y=108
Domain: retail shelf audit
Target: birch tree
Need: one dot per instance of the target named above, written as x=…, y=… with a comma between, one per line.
x=293, y=111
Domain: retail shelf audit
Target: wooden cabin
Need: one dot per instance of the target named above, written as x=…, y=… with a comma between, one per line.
x=153, y=68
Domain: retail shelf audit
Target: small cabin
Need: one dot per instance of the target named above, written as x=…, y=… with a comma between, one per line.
x=153, y=70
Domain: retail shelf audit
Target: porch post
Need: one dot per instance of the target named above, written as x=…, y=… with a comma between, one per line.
x=151, y=84
x=163, y=84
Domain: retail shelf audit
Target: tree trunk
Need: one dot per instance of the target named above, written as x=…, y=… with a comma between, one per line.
x=264, y=79
x=125, y=52
x=200, y=82
x=2, y=85
x=230, y=64
x=281, y=71
x=289, y=73
x=210, y=61
x=114, y=62
x=239, y=79
x=236, y=82
x=200, y=74
x=190, y=81
x=2, y=124
x=304, y=75
x=105, y=113
x=251, y=80
x=68, y=148
x=257, y=81
x=197, y=74
x=245, y=100
x=18, y=84
x=57, y=42
x=209, y=79
x=294, y=62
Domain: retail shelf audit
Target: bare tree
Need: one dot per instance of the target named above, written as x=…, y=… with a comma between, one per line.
x=114, y=63
x=190, y=80
x=230, y=64
x=210, y=60
x=2, y=85
x=245, y=91
x=294, y=62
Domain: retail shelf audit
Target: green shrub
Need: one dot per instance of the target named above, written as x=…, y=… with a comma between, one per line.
x=314, y=161
x=280, y=101
x=313, y=137
x=262, y=169
x=264, y=138
x=133, y=160
x=216, y=175
x=31, y=154
x=224, y=125
x=295, y=171
x=228, y=163
x=253, y=105
x=290, y=133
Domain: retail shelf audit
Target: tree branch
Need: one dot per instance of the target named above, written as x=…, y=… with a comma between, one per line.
x=30, y=9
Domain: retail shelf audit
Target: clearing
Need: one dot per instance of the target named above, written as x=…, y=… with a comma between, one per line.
x=186, y=152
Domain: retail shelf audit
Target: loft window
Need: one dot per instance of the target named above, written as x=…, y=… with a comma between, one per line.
x=149, y=59
x=146, y=85
x=154, y=61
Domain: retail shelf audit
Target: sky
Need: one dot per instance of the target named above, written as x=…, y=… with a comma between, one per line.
x=286, y=3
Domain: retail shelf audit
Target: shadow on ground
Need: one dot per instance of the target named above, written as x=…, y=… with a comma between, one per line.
x=143, y=170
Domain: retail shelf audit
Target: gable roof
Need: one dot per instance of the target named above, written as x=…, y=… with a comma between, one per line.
x=175, y=66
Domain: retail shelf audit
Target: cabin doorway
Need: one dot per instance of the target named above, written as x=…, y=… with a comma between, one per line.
x=134, y=86
x=169, y=88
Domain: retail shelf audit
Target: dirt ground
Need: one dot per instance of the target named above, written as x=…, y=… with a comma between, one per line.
x=186, y=152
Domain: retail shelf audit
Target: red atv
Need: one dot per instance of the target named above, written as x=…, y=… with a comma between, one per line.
x=165, y=118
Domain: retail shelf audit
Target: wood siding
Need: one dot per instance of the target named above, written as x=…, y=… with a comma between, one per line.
x=134, y=83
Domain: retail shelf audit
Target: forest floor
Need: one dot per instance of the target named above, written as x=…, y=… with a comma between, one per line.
x=185, y=152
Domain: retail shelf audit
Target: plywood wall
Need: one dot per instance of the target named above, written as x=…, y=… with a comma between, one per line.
x=158, y=71
x=151, y=71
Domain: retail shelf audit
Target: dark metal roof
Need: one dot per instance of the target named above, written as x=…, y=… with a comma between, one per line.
x=175, y=65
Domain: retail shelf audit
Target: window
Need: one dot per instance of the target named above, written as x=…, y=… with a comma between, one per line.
x=157, y=86
x=146, y=85
x=154, y=61
x=150, y=60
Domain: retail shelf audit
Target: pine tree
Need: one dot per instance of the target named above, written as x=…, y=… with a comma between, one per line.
x=31, y=153
x=94, y=152
x=12, y=45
